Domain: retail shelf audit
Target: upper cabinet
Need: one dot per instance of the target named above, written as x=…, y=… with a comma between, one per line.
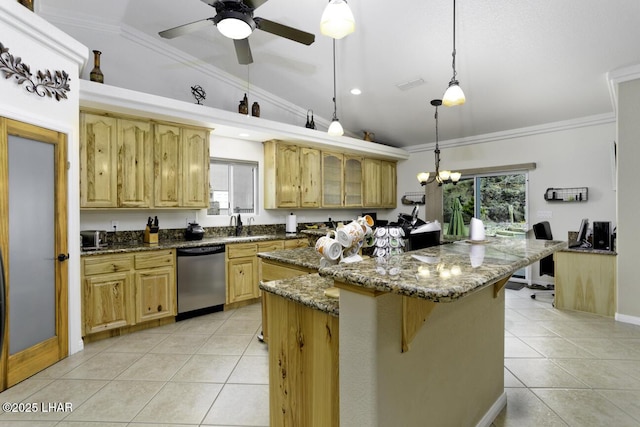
x=303, y=177
x=135, y=163
x=292, y=176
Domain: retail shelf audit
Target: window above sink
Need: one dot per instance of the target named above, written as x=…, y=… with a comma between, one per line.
x=233, y=187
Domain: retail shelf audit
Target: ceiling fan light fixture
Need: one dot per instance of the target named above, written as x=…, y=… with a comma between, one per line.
x=234, y=25
x=337, y=20
x=453, y=95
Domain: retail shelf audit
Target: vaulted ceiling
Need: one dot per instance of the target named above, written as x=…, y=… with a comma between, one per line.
x=520, y=63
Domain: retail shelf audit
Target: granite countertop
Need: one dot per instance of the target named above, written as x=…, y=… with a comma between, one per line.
x=301, y=257
x=590, y=251
x=307, y=289
x=173, y=244
x=442, y=273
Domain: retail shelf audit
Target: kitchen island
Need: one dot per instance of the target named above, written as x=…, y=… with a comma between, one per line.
x=421, y=336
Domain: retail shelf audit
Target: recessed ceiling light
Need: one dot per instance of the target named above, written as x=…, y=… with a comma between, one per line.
x=355, y=91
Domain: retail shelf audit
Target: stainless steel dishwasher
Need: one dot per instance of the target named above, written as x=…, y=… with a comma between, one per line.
x=201, y=280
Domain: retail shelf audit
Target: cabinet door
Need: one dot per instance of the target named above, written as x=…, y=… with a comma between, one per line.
x=242, y=279
x=195, y=168
x=287, y=176
x=135, y=173
x=296, y=243
x=332, y=174
x=352, y=181
x=155, y=293
x=98, y=161
x=388, y=184
x=167, y=170
x=107, y=302
x=372, y=179
x=310, y=177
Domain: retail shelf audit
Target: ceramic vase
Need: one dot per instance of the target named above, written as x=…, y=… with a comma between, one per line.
x=96, y=74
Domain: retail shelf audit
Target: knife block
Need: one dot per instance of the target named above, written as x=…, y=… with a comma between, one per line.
x=150, y=237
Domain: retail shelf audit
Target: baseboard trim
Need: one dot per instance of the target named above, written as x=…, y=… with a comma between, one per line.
x=634, y=320
x=493, y=411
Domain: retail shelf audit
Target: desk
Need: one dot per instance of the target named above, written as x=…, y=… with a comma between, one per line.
x=585, y=280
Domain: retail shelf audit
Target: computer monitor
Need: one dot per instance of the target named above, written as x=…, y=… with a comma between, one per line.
x=582, y=234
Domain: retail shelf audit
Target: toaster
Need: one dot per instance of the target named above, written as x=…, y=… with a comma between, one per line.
x=93, y=239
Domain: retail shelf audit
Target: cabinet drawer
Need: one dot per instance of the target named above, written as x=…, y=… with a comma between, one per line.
x=154, y=259
x=296, y=243
x=241, y=250
x=107, y=264
x=272, y=245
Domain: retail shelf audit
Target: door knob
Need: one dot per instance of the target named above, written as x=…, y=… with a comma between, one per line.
x=63, y=257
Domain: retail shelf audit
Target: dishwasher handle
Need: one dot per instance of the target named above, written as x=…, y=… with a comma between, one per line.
x=200, y=251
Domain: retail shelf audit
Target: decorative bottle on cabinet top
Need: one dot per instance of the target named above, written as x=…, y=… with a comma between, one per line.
x=243, y=108
x=255, y=110
x=96, y=74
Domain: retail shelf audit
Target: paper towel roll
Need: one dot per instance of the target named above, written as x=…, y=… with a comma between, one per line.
x=291, y=224
x=476, y=230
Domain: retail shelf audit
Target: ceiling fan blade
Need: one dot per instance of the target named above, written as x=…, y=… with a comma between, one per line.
x=254, y=4
x=186, y=28
x=243, y=51
x=284, y=31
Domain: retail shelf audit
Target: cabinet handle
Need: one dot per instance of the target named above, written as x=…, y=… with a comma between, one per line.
x=159, y=308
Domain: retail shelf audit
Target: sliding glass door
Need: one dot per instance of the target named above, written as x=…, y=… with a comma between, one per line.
x=499, y=200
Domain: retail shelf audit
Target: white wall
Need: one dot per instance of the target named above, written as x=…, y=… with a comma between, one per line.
x=628, y=308
x=570, y=157
x=42, y=47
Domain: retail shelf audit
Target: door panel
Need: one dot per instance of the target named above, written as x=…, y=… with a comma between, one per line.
x=33, y=232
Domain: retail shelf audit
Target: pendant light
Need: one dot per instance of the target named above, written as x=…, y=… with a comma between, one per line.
x=335, y=128
x=337, y=20
x=441, y=177
x=453, y=95
x=234, y=24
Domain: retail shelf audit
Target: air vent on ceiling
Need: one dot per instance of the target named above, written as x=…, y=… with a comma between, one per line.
x=410, y=84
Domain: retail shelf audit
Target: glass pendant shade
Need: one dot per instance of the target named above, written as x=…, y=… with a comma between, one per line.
x=337, y=20
x=453, y=95
x=423, y=177
x=455, y=176
x=335, y=128
x=444, y=175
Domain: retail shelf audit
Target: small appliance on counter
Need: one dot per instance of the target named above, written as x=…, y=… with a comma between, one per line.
x=419, y=234
x=194, y=231
x=93, y=239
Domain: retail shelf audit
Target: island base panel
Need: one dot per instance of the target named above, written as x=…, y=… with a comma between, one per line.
x=453, y=373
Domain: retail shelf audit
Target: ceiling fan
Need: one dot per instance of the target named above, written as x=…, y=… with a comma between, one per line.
x=235, y=20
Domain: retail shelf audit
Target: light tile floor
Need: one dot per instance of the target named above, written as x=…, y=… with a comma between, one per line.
x=562, y=368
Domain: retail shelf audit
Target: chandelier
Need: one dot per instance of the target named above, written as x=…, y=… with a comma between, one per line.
x=444, y=176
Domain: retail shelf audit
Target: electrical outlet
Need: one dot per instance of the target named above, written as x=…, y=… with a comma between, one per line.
x=114, y=225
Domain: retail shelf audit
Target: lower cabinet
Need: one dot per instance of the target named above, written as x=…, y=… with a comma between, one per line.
x=123, y=290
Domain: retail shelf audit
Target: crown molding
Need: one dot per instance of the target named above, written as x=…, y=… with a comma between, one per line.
x=519, y=133
x=621, y=75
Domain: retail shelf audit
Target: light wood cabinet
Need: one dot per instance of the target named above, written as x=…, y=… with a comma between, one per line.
x=195, y=168
x=388, y=184
x=292, y=176
x=122, y=290
x=303, y=177
x=352, y=181
x=379, y=183
x=296, y=243
x=585, y=281
x=137, y=163
x=155, y=285
x=241, y=272
x=135, y=178
x=181, y=166
x=332, y=180
x=98, y=161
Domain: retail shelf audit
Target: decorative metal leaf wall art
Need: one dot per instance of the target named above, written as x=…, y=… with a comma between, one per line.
x=47, y=83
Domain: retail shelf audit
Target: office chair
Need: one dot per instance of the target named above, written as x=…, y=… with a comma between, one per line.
x=542, y=231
